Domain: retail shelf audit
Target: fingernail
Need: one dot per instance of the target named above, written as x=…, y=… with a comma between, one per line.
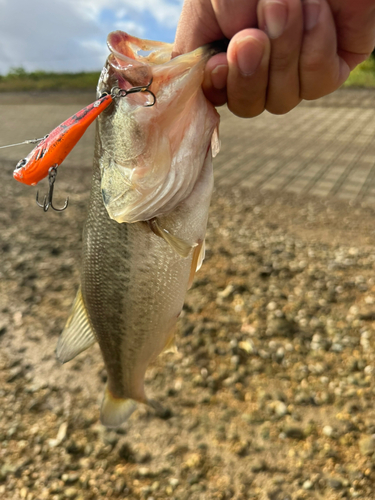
x=311, y=11
x=219, y=76
x=249, y=55
x=275, y=18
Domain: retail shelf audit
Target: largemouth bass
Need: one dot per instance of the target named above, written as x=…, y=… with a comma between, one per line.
x=144, y=235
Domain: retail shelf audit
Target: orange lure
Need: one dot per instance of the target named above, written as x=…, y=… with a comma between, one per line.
x=55, y=147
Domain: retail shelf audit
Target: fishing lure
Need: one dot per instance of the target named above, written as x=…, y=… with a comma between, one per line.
x=52, y=150
x=55, y=147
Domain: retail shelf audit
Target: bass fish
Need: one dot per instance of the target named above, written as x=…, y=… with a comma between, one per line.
x=144, y=235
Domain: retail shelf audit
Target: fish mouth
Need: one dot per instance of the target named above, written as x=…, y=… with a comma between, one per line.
x=142, y=148
x=130, y=61
x=136, y=62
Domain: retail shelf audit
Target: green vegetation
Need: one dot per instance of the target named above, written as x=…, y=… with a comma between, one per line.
x=363, y=75
x=18, y=80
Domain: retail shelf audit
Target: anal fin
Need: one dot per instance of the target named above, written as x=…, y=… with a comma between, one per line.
x=77, y=335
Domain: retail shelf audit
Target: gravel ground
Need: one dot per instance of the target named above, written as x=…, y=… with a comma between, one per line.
x=270, y=396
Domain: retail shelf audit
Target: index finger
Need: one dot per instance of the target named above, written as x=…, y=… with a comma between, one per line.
x=204, y=21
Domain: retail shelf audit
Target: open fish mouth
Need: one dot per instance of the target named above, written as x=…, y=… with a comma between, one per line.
x=145, y=151
x=130, y=61
x=133, y=57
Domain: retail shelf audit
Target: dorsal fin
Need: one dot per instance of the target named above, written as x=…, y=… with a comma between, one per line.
x=77, y=335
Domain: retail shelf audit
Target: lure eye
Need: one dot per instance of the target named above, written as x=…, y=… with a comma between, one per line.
x=21, y=163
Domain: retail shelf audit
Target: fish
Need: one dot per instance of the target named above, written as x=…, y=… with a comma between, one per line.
x=52, y=150
x=143, y=239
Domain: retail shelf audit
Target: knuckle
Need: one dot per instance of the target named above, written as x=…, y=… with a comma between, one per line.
x=246, y=110
x=317, y=84
x=283, y=93
x=318, y=77
x=282, y=61
x=247, y=96
x=281, y=108
x=311, y=92
x=313, y=63
x=216, y=97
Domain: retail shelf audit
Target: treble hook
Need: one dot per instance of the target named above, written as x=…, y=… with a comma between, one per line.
x=119, y=92
x=52, y=172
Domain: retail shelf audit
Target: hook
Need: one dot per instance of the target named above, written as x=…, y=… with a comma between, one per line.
x=118, y=92
x=52, y=172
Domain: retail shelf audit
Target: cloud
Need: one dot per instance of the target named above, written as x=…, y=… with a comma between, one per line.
x=166, y=12
x=70, y=35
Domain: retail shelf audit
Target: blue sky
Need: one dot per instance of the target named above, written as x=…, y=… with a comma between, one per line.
x=70, y=35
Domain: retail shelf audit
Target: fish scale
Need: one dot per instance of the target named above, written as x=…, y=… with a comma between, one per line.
x=122, y=290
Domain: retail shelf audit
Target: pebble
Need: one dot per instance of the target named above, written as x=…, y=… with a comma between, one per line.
x=227, y=292
x=328, y=430
x=15, y=373
x=111, y=438
x=70, y=478
x=71, y=493
x=280, y=327
x=281, y=408
x=145, y=472
x=335, y=483
x=6, y=469
x=120, y=485
x=278, y=479
x=308, y=485
x=61, y=435
x=294, y=432
x=367, y=445
x=258, y=465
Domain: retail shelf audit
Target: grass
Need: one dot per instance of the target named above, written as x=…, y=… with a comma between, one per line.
x=18, y=80
x=363, y=75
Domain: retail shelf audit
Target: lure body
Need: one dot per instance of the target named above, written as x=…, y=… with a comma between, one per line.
x=56, y=146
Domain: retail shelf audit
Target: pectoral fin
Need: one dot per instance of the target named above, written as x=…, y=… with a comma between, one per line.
x=197, y=260
x=215, y=142
x=77, y=335
x=179, y=245
x=170, y=346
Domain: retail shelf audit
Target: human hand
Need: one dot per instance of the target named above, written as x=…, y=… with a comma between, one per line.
x=303, y=50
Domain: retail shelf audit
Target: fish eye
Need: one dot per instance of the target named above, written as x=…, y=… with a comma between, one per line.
x=21, y=163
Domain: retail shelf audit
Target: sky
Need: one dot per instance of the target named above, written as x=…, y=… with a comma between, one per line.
x=70, y=35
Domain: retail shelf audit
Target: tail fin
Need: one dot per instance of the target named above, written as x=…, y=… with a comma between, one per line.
x=115, y=411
